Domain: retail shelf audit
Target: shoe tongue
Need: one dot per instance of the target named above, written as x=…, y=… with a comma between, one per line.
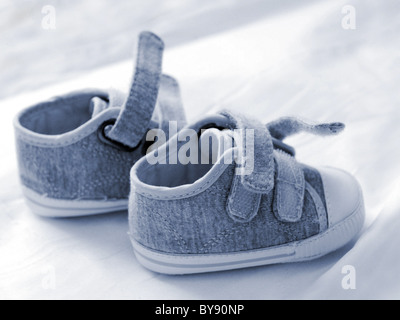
x=99, y=104
x=214, y=143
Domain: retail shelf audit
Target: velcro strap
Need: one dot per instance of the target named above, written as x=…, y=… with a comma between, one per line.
x=255, y=153
x=289, y=188
x=271, y=168
x=137, y=111
x=288, y=126
x=242, y=204
x=254, y=174
x=170, y=107
x=319, y=206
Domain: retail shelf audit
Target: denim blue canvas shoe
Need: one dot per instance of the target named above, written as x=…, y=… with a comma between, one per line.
x=75, y=151
x=227, y=192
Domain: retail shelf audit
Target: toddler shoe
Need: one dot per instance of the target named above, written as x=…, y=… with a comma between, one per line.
x=212, y=213
x=75, y=151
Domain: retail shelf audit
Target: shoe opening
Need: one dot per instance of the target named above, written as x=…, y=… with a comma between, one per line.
x=61, y=114
x=179, y=163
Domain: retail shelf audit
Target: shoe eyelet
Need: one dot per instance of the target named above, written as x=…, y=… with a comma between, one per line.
x=101, y=134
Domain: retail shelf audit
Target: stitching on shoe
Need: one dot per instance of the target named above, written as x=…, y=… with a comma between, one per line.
x=297, y=185
x=259, y=186
x=219, y=238
x=65, y=143
x=321, y=211
x=234, y=214
x=75, y=138
x=166, y=226
x=327, y=199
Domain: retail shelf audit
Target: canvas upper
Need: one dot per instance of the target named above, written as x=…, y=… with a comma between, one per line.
x=215, y=209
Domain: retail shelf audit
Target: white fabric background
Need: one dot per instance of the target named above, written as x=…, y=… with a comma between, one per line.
x=297, y=61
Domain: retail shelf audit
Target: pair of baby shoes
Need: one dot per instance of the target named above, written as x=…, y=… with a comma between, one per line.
x=223, y=193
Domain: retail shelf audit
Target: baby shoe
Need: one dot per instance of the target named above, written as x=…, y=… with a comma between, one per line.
x=212, y=213
x=75, y=151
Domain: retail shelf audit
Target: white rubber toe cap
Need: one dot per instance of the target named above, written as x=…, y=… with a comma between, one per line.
x=342, y=193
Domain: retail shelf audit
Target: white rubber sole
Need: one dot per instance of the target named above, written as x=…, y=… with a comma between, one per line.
x=55, y=208
x=328, y=241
